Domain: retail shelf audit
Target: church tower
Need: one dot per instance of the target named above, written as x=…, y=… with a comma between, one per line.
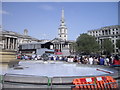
x=62, y=34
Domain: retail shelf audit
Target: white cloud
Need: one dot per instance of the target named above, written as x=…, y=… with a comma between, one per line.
x=4, y=12
x=46, y=7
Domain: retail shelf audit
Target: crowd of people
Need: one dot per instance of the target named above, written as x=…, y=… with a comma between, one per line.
x=84, y=59
x=99, y=60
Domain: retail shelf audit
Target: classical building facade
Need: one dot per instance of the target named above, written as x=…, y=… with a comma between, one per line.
x=109, y=32
x=60, y=43
x=62, y=34
x=10, y=40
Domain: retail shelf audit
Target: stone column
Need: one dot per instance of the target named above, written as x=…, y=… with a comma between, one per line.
x=13, y=43
x=16, y=44
x=8, y=43
x=68, y=46
x=59, y=46
x=5, y=44
x=54, y=46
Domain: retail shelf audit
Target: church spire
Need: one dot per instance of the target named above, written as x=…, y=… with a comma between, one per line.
x=62, y=15
x=63, y=29
x=62, y=18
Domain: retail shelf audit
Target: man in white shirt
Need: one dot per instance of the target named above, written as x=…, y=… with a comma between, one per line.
x=91, y=60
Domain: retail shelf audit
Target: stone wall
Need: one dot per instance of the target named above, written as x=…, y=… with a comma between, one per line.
x=8, y=57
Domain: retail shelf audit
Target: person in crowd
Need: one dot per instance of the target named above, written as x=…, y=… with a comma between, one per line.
x=60, y=58
x=38, y=57
x=35, y=57
x=101, y=60
x=81, y=59
x=66, y=58
x=85, y=60
x=57, y=58
x=29, y=57
x=26, y=57
x=23, y=57
x=52, y=58
x=90, y=60
x=116, y=60
x=111, y=60
x=96, y=61
x=75, y=59
x=106, y=61
x=63, y=58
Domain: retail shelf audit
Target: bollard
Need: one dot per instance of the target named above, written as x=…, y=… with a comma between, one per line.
x=49, y=82
x=0, y=78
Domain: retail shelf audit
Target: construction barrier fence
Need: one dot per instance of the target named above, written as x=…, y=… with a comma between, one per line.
x=100, y=82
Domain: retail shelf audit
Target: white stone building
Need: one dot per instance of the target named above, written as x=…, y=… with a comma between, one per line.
x=10, y=40
x=111, y=32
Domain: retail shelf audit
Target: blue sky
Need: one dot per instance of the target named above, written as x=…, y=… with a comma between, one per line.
x=42, y=19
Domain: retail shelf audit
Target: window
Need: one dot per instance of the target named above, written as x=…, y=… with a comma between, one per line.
x=113, y=41
x=116, y=50
x=106, y=32
x=109, y=31
x=102, y=32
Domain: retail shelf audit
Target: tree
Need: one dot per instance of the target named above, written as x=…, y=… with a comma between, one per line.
x=73, y=48
x=107, y=46
x=118, y=44
x=87, y=44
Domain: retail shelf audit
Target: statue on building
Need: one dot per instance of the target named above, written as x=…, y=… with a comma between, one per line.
x=26, y=32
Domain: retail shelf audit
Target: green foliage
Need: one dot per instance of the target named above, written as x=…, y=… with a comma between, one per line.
x=87, y=44
x=73, y=47
x=118, y=43
x=107, y=46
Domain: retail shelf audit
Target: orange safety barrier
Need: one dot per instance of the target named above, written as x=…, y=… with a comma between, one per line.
x=93, y=83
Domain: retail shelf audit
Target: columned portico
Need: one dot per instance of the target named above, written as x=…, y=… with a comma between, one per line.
x=10, y=43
